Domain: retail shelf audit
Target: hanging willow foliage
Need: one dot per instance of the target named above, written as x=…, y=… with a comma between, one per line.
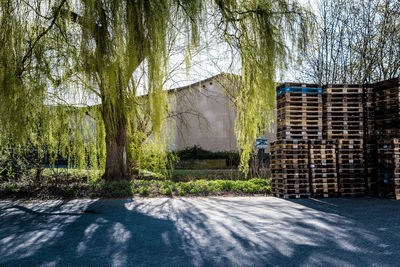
x=57, y=52
x=263, y=32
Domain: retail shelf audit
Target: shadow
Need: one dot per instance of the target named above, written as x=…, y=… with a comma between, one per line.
x=27, y=210
x=259, y=231
x=109, y=235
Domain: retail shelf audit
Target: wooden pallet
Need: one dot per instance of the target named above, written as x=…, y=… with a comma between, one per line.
x=389, y=143
x=351, y=170
x=346, y=123
x=324, y=186
x=342, y=110
x=300, y=136
x=290, y=143
x=355, y=160
x=332, y=180
x=386, y=84
x=289, y=154
x=343, y=136
x=307, y=97
x=301, y=85
x=344, y=143
x=318, y=176
x=307, y=100
x=343, y=89
x=352, y=132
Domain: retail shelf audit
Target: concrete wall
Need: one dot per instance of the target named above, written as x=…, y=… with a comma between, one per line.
x=205, y=116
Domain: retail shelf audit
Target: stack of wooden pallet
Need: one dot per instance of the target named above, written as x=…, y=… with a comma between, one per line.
x=289, y=168
x=344, y=121
x=383, y=129
x=299, y=111
x=370, y=146
x=371, y=168
x=351, y=172
x=343, y=111
x=389, y=168
x=323, y=173
x=387, y=109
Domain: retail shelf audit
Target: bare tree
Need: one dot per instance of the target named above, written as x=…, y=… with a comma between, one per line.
x=356, y=42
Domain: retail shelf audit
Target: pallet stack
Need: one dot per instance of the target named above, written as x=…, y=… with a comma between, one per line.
x=289, y=168
x=389, y=168
x=387, y=109
x=343, y=111
x=323, y=173
x=344, y=121
x=371, y=168
x=352, y=132
x=351, y=172
x=299, y=111
x=370, y=145
x=386, y=96
x=299, y=118
x=369, y=112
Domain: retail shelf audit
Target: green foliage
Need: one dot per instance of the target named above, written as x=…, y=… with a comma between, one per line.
x=100, y=188
x=151, y=156
x=227, y=174
x=262, y=42
x=69, y=193
x=143, y=191
x=10, y=189
x=61, y=51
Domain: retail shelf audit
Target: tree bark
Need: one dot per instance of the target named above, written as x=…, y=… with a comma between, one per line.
x=116, y=143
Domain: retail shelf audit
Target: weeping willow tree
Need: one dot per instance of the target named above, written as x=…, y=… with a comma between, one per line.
x=50, y=49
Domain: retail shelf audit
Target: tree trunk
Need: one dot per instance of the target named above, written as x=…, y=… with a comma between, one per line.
x=116, y=142
x=116, y=167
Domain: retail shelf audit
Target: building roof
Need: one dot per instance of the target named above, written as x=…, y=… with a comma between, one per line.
x=199, y=83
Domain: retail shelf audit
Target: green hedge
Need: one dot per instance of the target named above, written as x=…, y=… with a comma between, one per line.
x=196, y=152
x=150, y=188
x=169, y=188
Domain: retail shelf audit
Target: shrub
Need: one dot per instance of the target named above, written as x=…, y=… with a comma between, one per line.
x=101, y=188
x=11, y=189
x=181, y=192
x=165, y=190
x=196, y=152
x=69, y=192
x=143, y=191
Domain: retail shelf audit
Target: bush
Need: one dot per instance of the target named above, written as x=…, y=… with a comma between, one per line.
x=11, y=189
x=99, y=188
x=69, y=193
x=196, y=152
x=143, y=191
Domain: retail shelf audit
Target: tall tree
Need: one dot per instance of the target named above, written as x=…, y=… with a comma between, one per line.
x=97, y=46
x=356, y=42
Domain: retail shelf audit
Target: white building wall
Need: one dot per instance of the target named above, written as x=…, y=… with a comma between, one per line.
x=205, y=117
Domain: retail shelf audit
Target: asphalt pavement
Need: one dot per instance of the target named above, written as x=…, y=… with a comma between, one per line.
x=240, y=231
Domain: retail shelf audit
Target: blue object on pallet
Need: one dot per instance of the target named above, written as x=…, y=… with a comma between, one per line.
x=299, y=90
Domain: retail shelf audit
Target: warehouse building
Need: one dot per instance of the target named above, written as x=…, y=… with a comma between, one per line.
x=204, y=115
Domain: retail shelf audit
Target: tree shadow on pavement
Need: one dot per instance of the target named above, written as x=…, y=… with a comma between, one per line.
x=97, y=233
x=201, y=232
